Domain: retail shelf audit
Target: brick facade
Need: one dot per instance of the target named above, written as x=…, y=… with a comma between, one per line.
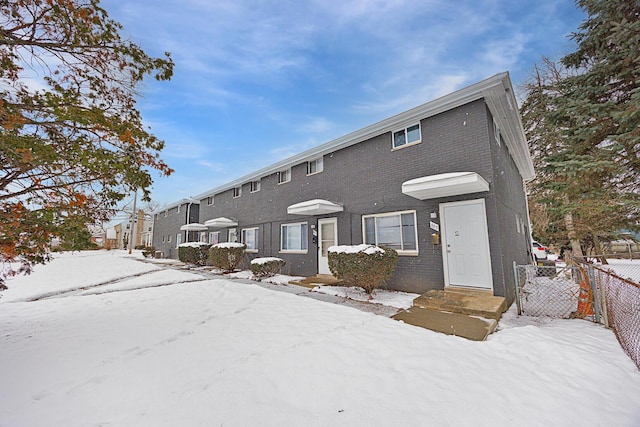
x=366, y=178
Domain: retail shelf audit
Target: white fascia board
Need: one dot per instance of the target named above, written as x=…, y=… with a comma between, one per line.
x=491, y=86
x=181, y=202
x=504, y=107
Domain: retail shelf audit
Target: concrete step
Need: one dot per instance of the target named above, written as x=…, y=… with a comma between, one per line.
x=319, y=279
x=473, y=328
x=463, y=301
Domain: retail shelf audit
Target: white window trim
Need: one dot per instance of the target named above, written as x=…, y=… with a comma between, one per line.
x=407, y=144
x=235, y=234
x=178, y=209
x=288, y=171
x=166, y=213
x=210, y=201
x=410, y=252
x=293, y=251
x=178, y=240
x=169, y=238
x=211, y=235
x=239, y=192
x=257, y=184
x=496, y=131
x=319, y=166
x=242, y=238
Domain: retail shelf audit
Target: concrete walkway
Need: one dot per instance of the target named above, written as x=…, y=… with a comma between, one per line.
x=468, y=314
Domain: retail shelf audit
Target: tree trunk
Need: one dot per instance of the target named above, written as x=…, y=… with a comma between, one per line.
x=599, y=251
x=571, y=233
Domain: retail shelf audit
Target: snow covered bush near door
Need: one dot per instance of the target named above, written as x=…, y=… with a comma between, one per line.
x=195, y=253
x=363, y=265
x=227, y=256
x=266, y=267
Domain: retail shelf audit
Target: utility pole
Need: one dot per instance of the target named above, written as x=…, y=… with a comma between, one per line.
x=134, y=217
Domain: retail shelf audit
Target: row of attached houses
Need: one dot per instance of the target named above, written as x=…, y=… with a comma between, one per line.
x=442, y=183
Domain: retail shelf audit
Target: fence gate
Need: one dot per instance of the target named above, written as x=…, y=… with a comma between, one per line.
x=553, y=291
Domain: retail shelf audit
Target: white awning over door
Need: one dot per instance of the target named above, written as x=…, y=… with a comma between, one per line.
x=194, y=226
x=314, y=207
x=445, y=185
x=221, y=222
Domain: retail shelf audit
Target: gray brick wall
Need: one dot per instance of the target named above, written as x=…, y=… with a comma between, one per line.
x=168, y=227
x=366, y=178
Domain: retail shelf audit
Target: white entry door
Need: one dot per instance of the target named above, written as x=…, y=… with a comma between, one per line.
x=327, y=237
x=465, y=242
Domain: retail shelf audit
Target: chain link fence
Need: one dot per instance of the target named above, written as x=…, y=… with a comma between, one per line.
x=548, y=291
x=621, y=308
x=608, y=294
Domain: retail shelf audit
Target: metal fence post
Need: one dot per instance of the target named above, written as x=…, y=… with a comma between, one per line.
x=594, y=291
x=516, y=277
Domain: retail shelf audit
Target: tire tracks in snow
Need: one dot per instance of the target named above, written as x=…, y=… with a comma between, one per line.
x=80, y=289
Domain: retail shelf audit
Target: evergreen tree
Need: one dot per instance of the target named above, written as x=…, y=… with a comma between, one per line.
x=582, y=119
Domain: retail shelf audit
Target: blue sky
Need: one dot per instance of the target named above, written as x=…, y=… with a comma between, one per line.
x=258, y=81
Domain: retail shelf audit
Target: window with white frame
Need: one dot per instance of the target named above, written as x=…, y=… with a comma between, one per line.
x=496, y=131
x=255, y=186
x=233, y=235
x=407, y=136
x=178, y=209
x=237, y=192
x=203, y=237
x=210, y=200
x=166, y=213
x=178, y=239
x=163, y=239
x=169, y=238
x=294, y=237
x=250, y=238
x=284, y=176
x=396, y=230
x=314, y=166
x=214, y=237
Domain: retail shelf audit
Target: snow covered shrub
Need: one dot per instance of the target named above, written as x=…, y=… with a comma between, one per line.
x=266, y=267
x=195, y=253
x=363, y=265
x=150, y=251
x=227, y=256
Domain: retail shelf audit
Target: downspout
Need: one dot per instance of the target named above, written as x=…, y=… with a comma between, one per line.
x=188, y=220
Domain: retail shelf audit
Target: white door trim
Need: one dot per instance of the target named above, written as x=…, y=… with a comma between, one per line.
x=443, y=231
x=321, y=221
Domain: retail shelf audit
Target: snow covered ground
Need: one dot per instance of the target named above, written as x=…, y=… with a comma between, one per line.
x=101, y=338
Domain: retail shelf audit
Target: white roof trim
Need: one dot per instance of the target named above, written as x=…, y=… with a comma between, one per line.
x=194, y=226
x=445, y=185
x=314, y=207
x=221, y=222
x=500, y=98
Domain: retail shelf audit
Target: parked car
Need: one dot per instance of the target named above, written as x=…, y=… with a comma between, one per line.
x=539, y=251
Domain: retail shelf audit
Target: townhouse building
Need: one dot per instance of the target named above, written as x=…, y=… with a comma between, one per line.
x=442, y=183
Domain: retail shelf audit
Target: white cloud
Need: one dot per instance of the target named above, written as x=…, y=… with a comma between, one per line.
x=315, y=125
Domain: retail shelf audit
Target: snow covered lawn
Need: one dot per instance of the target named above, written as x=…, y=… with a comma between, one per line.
x=208, y=352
